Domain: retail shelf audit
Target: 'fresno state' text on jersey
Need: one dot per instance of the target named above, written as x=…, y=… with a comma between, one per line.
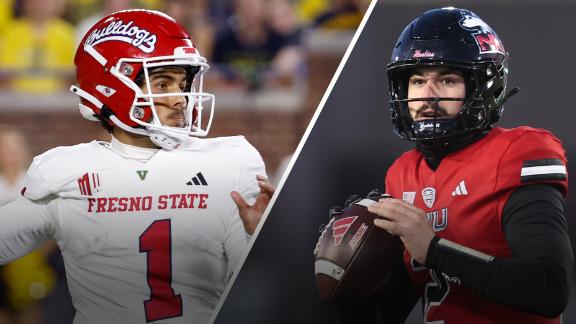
x=147, y=240
x=464, y=200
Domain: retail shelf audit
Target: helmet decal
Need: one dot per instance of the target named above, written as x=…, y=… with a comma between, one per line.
x=488, y=43
x=473, y=22
x=124, y=32
x=485, y=37
x=418, y=53
x=106, y=91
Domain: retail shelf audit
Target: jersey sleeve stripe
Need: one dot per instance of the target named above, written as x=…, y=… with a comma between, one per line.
x=543, y=170
x=544, y=177
x=542, y=162
x=547, y=169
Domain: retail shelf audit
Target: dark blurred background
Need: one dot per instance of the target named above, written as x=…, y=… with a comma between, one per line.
x=352, y=145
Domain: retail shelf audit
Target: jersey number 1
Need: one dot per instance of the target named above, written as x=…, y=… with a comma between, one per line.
x=156, y=242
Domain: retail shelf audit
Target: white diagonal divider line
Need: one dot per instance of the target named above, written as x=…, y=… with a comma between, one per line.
x=293, y=159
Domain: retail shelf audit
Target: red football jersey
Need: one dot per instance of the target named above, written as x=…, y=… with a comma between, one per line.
x=464, y=200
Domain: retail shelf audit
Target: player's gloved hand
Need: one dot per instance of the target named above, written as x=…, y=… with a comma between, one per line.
x=334, y=211
x=251, y=214
x=351, y=199
x=377, y=194
x=374, y=195
x=337, y=210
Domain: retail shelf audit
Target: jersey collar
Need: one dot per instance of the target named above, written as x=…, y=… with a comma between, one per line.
x=132, y=152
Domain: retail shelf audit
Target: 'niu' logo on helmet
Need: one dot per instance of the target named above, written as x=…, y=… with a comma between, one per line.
x=340, y=228
x=119, y=31
x=488, y=43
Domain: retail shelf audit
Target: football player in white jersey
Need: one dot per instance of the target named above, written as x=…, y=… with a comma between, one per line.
x=152, y=224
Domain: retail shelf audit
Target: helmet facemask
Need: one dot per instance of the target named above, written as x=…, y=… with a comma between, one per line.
x=144, y=110
x=481, y=105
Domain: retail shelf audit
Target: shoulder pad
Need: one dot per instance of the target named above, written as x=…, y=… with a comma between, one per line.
x=50, y=171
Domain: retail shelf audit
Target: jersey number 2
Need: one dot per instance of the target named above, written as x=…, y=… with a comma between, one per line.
x=436, y=291
x=156, y=242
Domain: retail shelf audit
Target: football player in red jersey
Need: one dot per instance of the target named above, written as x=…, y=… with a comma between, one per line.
x=478, y=208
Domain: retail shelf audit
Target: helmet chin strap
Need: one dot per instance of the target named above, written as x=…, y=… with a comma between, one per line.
x=166, y=139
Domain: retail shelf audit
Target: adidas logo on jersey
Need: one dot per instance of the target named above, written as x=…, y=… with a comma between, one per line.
x=197, y=180
x=460, y=189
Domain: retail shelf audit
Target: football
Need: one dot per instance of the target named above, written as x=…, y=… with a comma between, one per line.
x=353, y=257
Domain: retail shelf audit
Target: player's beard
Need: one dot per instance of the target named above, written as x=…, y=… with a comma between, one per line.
x=179, y=119
x=174, y=117
x=439, y=112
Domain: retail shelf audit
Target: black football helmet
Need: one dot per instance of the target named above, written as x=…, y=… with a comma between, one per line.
x=459, y=39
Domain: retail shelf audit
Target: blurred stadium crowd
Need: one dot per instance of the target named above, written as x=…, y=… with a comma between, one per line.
x=271, y=61
x=253, y=43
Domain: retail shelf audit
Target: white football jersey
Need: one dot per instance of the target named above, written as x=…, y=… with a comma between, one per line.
x=143, y=240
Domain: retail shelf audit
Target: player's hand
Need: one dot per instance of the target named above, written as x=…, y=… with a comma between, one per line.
x=408, y=222
x=251, y=214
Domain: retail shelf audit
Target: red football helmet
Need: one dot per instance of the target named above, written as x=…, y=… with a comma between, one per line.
x=122, y=48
